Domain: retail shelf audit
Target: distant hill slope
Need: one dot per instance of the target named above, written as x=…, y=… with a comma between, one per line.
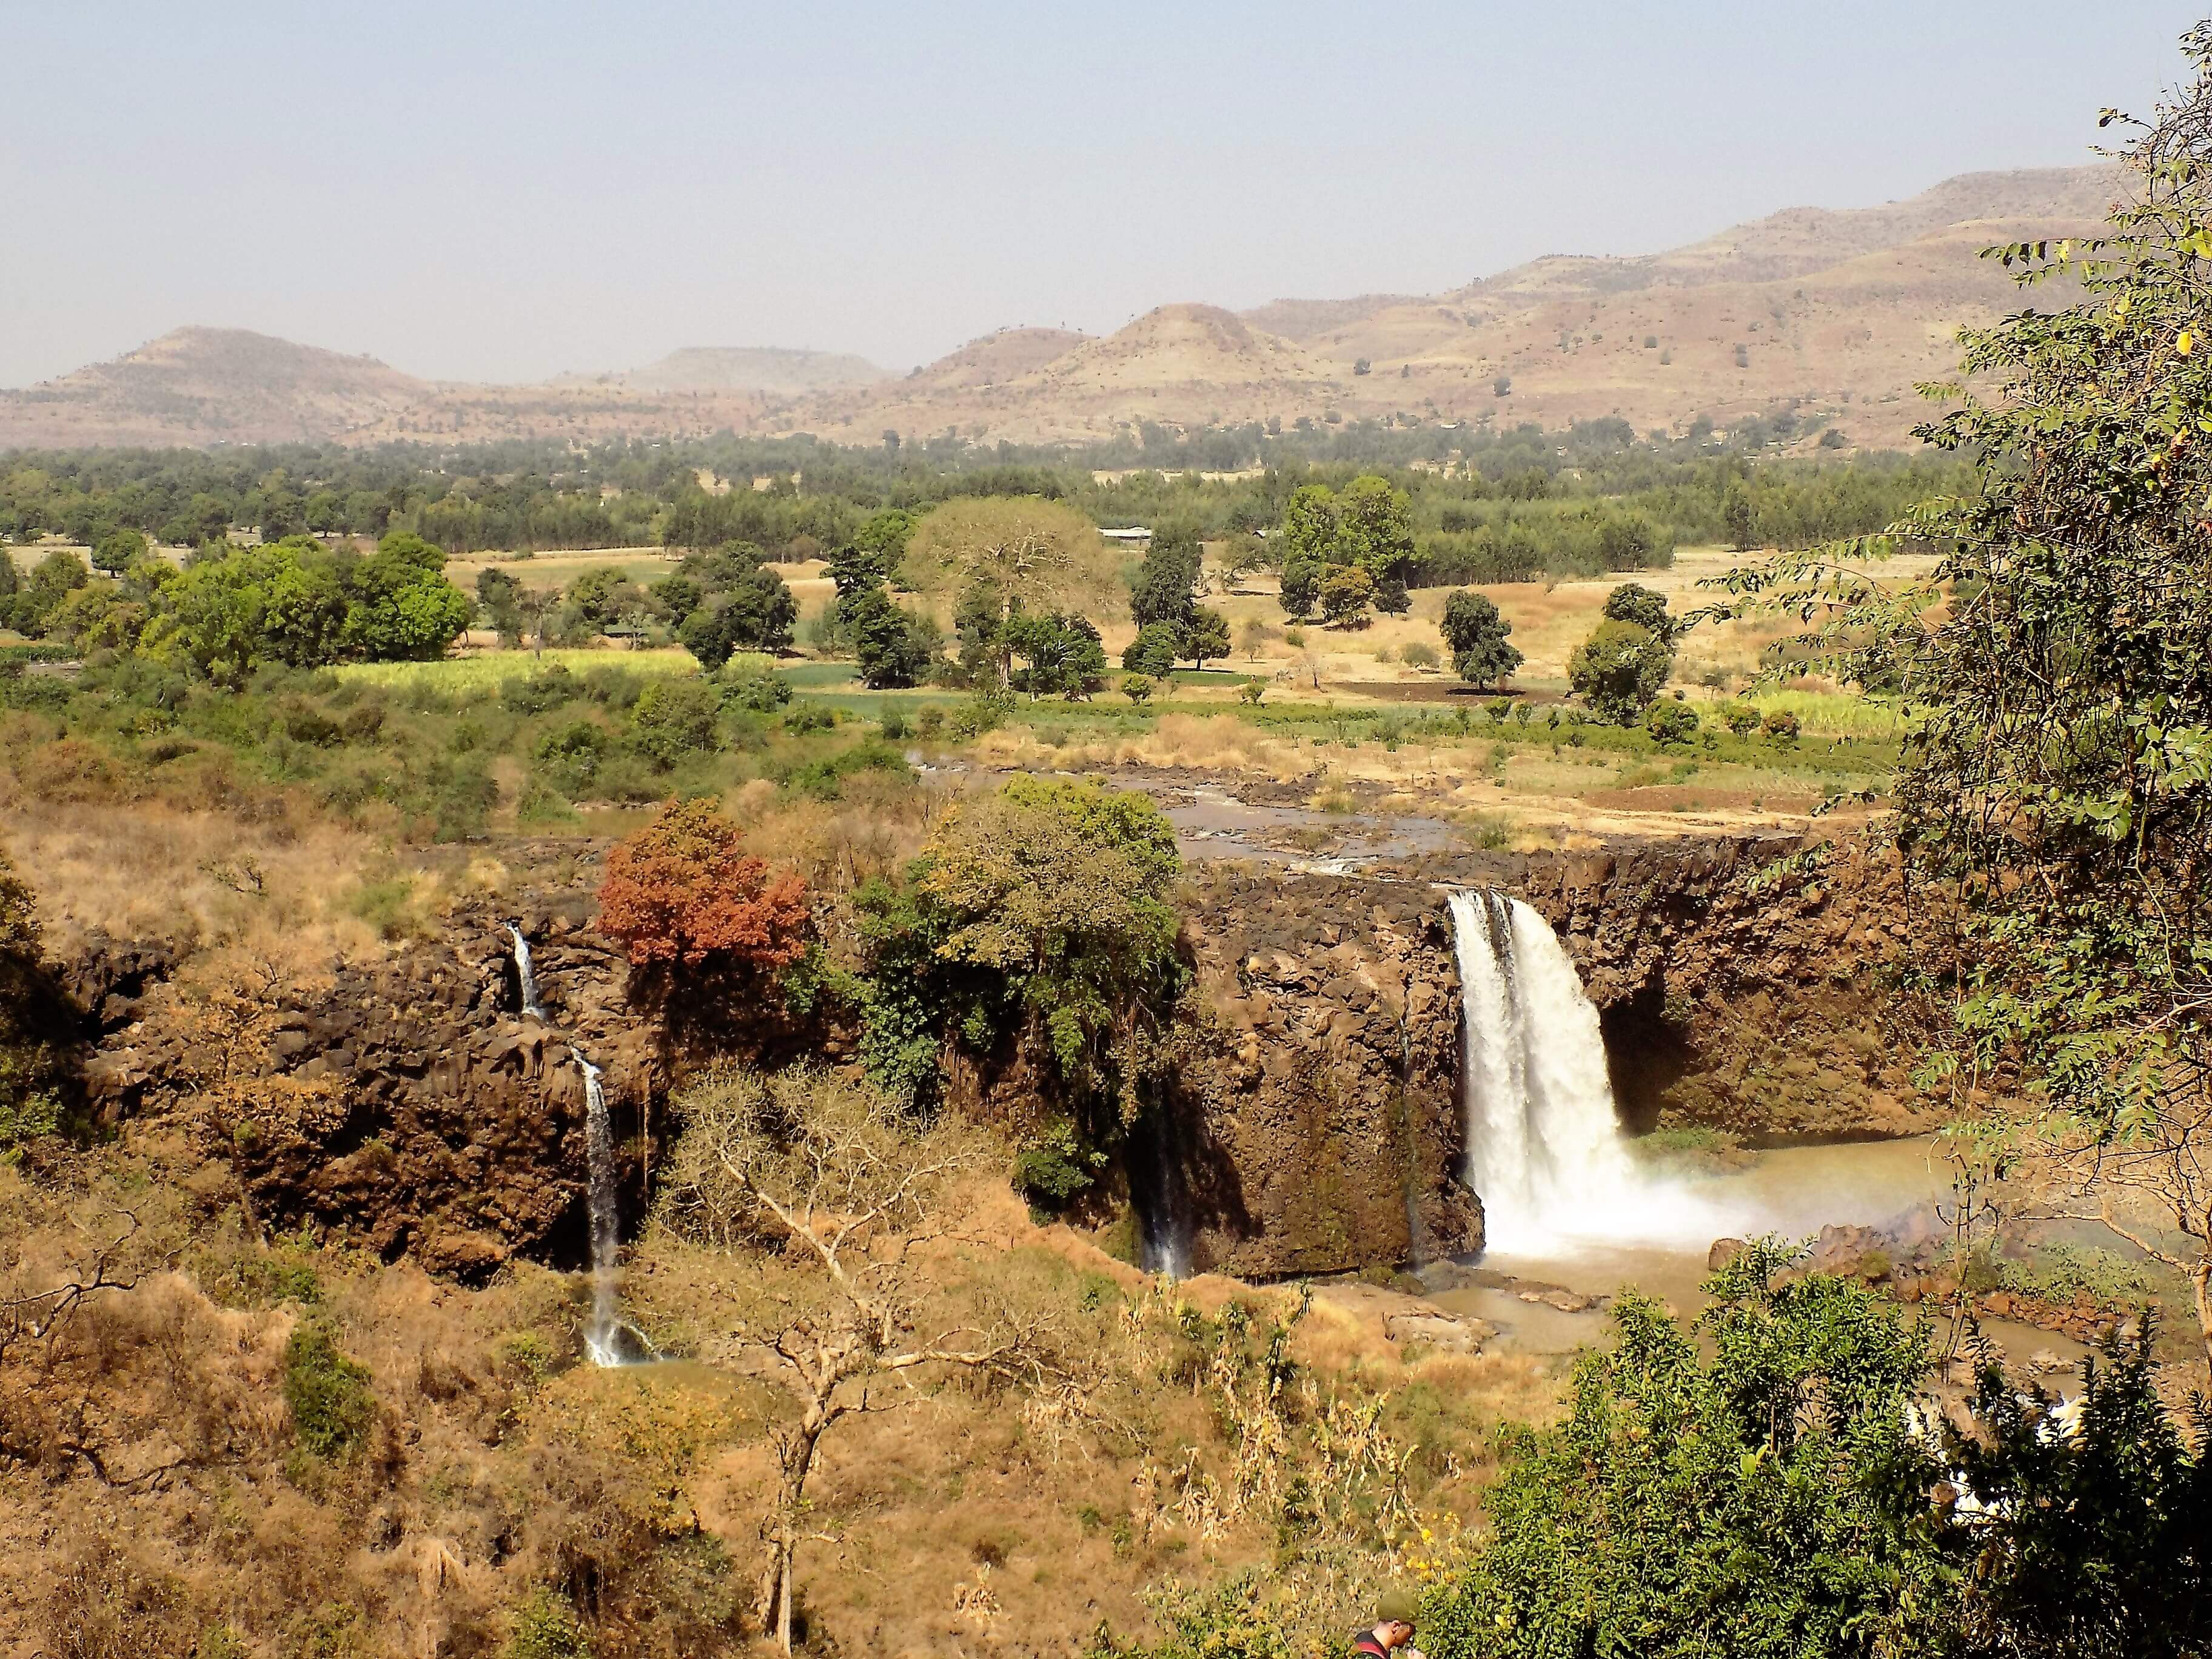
x=1837, y=313
x=995, y=358
x=750, y=368
x=1832, y=313
x=202, y=385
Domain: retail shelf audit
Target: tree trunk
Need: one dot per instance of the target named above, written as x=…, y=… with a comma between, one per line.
x=2200, y=1280
x=797, y=1460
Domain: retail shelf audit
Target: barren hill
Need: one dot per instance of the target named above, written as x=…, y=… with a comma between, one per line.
x=1006, y=355
x=1833, y=313
x=201, y=385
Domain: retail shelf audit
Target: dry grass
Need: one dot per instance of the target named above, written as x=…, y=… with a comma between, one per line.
x=156, y=872
x=966, y=1518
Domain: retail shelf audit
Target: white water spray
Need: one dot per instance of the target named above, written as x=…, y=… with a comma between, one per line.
x=1544, y=1147
x=524, y=976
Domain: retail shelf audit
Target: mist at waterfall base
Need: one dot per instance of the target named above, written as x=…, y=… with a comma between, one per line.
x=1545, y=1149
x=608, y=1341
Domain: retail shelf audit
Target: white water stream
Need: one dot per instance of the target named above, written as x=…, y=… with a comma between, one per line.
x=601, y=1337
x=608, y=1340
x=525, y=974
x=1544, y=1150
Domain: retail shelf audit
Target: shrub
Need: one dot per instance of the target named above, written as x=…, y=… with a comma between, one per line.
x=1671, y=724
x=1780, y=726
x=1138, y=688
x=893, y=724
x=546, y=1627
x=1250, y=692
x=674, y=718
x=542, y=692
x=752, y=683
x=1740, y=718
x=682, y=893
x=1420, y=655
x=1619, y=669
x=327, y=1393
x=810, y=717
x=824, y=776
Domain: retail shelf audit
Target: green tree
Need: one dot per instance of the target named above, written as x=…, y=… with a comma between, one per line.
x=1302, y=577
x=755, y=612
x=1347, y=591
x=1205, y=635
x=1633, y=602
x=1619, y=669
x=400, y=606
x=893, y=646
x=1477, y=638
x=1309, y=527
x=674, y=718
x=2059, y=786
x=1153, y=651
x=1751, y=1502
x=1740, y=518
x=1063, y=891
x=1063, y=651
x=1167, y=581
x=1374, y=529
x=118, y=550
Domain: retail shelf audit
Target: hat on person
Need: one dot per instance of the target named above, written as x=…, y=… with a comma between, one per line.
x=1397, y=1606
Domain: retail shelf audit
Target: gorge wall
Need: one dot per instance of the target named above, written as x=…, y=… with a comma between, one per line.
x=1743, y=986
x=408, y=1101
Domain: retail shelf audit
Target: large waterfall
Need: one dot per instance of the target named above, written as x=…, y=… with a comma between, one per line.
x=1544, y=1145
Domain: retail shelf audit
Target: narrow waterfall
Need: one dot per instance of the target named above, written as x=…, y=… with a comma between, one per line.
x=1163, y=1214
x=600, y=1334
x=524, y=976
x=1544, y=1150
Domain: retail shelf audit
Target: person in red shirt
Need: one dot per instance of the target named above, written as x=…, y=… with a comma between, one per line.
x=1395, y=1613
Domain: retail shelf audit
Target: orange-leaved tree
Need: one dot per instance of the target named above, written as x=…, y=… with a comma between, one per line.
x=689, y=904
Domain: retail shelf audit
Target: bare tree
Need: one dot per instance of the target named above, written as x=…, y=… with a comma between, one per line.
x=813, y=1163
x=107, y=1263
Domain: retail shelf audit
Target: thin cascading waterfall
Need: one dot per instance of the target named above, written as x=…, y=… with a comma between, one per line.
x=1545, y=1151
x=600, y=1334
x=524, y=975
x=1165, y=1221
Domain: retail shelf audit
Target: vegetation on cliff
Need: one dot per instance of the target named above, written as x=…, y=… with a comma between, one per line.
x=2060, y=783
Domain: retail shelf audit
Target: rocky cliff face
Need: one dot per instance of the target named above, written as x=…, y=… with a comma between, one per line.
x=1317, y=1118
x=410, y=1101
x=1753, y=986
x=1321, y=1096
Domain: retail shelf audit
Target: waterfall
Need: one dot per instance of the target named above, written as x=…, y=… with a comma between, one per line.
x=1165, y=1222
x=526, y=978
x=600, y=1335
x=1544, y=1150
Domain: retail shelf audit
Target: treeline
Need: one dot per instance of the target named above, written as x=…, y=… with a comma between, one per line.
x=1485, y=505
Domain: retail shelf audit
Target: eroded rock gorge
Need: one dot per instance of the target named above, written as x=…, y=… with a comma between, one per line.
x=1318, y=1123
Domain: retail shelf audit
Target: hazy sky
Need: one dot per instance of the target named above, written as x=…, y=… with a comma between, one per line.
x=505, y=191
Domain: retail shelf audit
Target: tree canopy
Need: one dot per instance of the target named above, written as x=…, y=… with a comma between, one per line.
x=1476, y=634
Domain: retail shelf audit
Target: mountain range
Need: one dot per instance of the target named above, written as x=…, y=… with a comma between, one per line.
x=1835, y=312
